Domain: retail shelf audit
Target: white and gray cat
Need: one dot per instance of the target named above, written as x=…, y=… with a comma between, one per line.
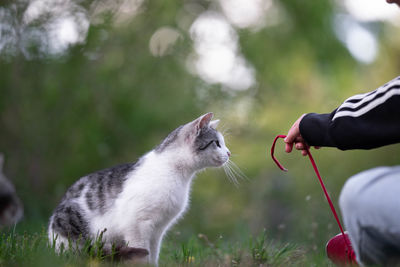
x=138, y=202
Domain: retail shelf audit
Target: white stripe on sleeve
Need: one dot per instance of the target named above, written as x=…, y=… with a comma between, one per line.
x=368, y=107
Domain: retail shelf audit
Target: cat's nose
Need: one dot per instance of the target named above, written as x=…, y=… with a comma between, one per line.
x=229, y=153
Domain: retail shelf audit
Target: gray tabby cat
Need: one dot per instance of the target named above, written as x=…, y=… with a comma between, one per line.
x=138, y=202
x=11, y=209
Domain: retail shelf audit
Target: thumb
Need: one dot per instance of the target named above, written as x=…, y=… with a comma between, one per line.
x=289, y=140
x=292, y=134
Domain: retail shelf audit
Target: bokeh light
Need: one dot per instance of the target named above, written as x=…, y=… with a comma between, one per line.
x=361, y=43
x=217, y=57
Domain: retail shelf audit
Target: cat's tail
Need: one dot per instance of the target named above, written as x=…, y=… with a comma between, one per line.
x=96, y=247
x=124, y=253
x=11, y=209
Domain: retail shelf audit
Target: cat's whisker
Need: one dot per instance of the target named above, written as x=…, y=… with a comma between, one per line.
x=226, y=132
x=227, y=171
x=242, y=174
x=231, y=175
x=237, y=171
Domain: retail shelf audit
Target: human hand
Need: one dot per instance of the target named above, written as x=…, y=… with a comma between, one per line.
x=294, y=138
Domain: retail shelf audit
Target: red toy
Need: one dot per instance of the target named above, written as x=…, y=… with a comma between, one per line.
x=338, y=252
x=338, y=248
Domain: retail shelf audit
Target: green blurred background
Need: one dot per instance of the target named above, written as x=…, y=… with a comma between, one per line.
x=85, y=85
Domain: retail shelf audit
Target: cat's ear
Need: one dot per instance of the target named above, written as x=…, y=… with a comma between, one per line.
x=205, y=120
x=214, y=124
x=200, y=123
x=194, y=127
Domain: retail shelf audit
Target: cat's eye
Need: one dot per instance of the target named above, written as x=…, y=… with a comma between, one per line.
x=217, y=143
x=208, y=144
x=204, y=147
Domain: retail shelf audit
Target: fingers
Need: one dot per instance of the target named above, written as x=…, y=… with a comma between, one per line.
x=289, y=147
x=299, y=146
x=289, y=140
x=294, y=132
x=302, y=146
x=295, y=139
x=293, y=135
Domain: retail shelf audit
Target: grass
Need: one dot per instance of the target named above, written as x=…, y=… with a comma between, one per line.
x=199, y=251
x=34, y=250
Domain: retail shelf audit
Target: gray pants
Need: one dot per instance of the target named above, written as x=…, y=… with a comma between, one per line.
x=370, y=205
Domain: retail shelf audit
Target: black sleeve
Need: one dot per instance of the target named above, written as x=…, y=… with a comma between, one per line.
x=362, y=122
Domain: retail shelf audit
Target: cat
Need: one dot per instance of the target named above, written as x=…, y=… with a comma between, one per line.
x=135, y=204
x=11, y=209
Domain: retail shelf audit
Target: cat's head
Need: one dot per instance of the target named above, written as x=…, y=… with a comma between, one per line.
x=199, y=140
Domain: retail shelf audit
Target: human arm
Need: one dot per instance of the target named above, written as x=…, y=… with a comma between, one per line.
x=362, y=122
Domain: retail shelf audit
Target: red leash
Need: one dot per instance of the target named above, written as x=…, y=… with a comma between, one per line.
x=350, y=251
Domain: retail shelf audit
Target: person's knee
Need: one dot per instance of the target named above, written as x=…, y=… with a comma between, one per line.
x=348, y=197
x=352, y=193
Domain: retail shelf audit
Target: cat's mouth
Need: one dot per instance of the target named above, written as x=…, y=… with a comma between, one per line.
x=221, y=161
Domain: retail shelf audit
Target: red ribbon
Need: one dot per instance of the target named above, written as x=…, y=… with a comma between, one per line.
x=350, y=251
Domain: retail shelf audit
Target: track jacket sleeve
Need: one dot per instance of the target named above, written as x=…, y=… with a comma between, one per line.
x=363, y=121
